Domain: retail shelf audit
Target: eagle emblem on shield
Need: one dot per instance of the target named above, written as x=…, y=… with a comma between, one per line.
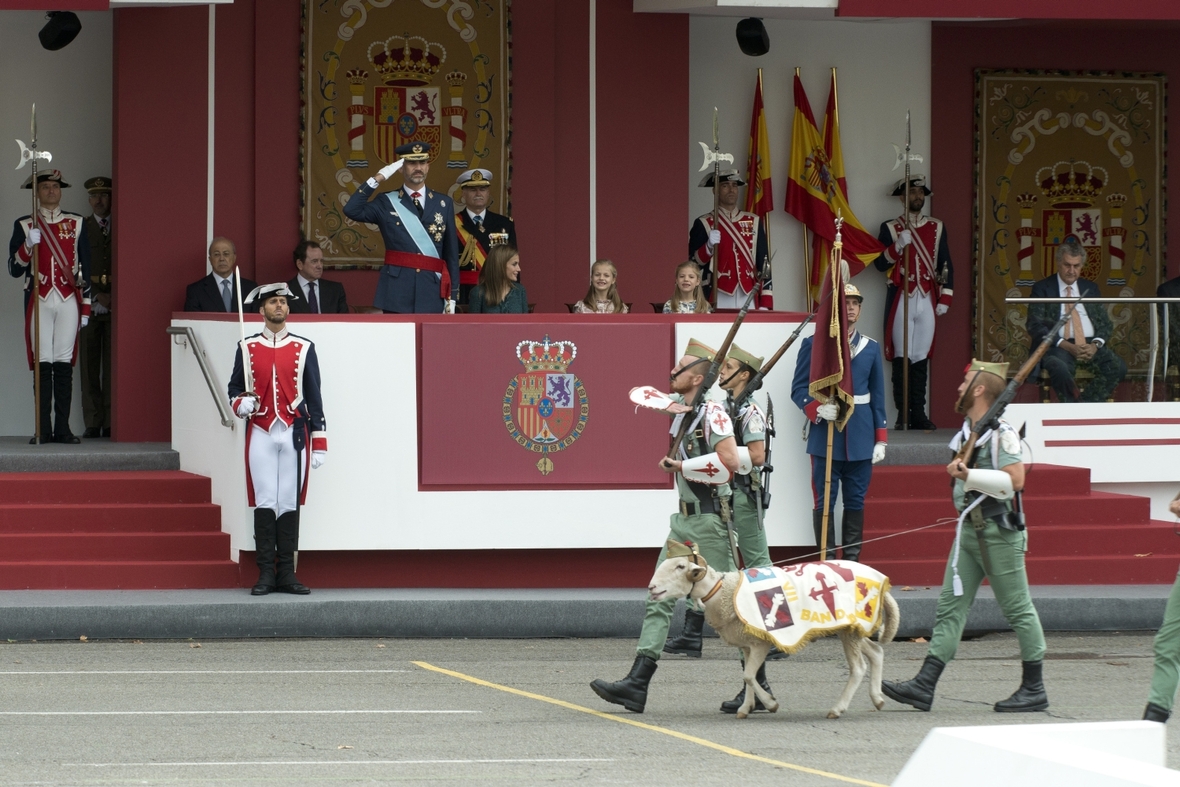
x=545, y=406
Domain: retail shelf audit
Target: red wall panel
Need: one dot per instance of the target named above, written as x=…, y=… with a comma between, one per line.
x=234, y=130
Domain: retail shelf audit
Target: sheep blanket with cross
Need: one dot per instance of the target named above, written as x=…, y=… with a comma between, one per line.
x=792, y=606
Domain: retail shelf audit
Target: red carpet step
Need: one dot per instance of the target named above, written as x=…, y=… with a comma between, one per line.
x=95, y=530
x=1076, y=536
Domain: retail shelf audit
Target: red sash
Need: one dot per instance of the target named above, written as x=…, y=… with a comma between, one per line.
x=404, y=259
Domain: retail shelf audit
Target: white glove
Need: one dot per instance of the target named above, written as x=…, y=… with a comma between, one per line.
x=941, y=309
x=34, y=237
x=247, y=406
x=85, y=320
x=98, y=308
x=449, y=306
x=904, y=238
x=318, y=458
x=878, y=453
x=714, y=238
x=828, y=412
x=387, y=172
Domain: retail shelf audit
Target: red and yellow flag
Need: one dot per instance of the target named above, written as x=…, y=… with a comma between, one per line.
x=759, y=193
x=815, y=193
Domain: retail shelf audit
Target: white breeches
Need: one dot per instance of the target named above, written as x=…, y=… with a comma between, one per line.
x=921, y=326
x=59, y=328
x=735, y=301
x=272, y=468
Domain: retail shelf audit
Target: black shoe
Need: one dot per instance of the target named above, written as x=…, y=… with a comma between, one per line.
x=106, y=431
x=262, y=588
x=294, y=588
x=91, y=431
x=918, y=692
x=264, y=550
x=45, y=405
x=777, y=655
x=67, y=439
x=286, y=544
x=689, y=641
x=734, y=705
x=1154, y=712
x=854, y=526
x=1030, y=696
x=817, y=524
x=631, y=691
x=63, y=394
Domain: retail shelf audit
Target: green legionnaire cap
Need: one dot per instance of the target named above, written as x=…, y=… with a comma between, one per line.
x=413, y=151
x=851, y=291
x=44, y=175
x=698, y=350
x=473, y=178
x=998, y=369
x=738, y=354
x=98, y=185
x=673, y=548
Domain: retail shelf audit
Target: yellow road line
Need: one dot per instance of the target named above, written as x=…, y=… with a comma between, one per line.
x=652, y=727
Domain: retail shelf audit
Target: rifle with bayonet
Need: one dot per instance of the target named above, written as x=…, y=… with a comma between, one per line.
x=991, y=418
x=756, y=381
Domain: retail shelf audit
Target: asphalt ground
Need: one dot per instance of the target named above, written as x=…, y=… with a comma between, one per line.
x=432, y=711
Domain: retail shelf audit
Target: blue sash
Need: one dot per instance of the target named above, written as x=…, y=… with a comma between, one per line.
x=413, y=224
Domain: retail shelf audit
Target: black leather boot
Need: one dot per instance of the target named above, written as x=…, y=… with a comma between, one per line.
x=264, y=550
x=817, y=522
x=918, y=692
x=854, y=525
x=45, y=405
x=734, y=705
x=689, y=641
x=899, y=389
x=1154, y=712
x=919, y=374
x=1031, y=694
x=631, y=691
x=63, y=395
x=287, y=538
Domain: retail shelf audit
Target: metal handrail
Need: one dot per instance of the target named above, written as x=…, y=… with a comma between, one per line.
x=222, y=403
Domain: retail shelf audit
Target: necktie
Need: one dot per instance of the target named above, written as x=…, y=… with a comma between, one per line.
x=226, y=296
x=478, y=221
x=311, y=299
x=417, y=203
x=1073, y=328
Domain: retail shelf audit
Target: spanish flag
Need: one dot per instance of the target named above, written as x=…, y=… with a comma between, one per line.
x=759, y=194
x=814, y=191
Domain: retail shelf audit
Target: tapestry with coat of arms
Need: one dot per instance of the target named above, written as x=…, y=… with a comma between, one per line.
x=378, y=74
x=1062, y=153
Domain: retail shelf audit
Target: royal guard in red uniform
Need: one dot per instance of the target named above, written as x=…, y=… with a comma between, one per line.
x=275, y=385
x=929, y=292
x=738, y=242
x=63, y=297
x=479, y=229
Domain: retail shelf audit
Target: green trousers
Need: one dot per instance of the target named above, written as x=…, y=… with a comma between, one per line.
x=712, y=540
x=1005, y=551
x=1167, y=653
x=751, y=537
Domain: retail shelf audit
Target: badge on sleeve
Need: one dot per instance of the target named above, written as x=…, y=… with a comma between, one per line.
x=1010, y=441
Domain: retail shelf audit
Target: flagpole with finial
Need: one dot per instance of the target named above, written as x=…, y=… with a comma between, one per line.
x=905, y=288
x=29, y=155
x=811, y=303
x=833, y=330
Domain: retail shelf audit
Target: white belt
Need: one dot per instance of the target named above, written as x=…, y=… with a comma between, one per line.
x=862, y=398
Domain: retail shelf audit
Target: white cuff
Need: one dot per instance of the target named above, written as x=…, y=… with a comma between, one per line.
x=372, y=183
x=993, y=483
x=707, y=469
x=745, y=463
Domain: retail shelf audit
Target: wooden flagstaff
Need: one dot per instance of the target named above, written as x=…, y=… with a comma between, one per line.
x=907, y=257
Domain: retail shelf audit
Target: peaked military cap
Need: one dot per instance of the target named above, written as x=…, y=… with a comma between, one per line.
x=98, y=185
x=413, y=151
x=475, y=177
x=740, y=355
x=726, y=176
x=915, y=180
x=998, y=369
x=698, y=350
x=264, y=292
x=44, y=175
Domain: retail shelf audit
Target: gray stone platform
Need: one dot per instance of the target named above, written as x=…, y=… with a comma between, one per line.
x=213, y=614
x=17, y=456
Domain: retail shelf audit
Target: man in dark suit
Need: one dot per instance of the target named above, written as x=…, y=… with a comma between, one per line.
x=1169, y=289
x=1083, y=337
x=421, y=271
x=315, y=294
x=94, y=341
x=217, y=291
x=479, y=228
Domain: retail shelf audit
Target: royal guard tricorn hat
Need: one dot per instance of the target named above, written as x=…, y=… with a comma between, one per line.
x=915, y=180
x=740, y=355
x=413, y=151
x=725, y=176
x=98, y=185
x=998, y=369
x=474, y=178
x=264, y=292
x=44, y=175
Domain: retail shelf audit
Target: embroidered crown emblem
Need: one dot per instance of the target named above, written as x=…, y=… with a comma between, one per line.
x=1078, y=185
x=406, y=60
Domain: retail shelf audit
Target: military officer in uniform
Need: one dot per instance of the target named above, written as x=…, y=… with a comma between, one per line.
x=862, y=442
x=739, y=244
x=94, y=341
x=275, y=385
x=990, y=544
x=421, y=271
x=929, y=292
x=62, y=297
x=479, y=228
x=708, y=459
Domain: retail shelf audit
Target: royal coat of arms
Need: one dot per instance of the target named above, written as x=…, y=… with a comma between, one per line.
x=545, y=406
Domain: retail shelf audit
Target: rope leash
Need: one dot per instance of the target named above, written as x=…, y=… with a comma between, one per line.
x=946, y=520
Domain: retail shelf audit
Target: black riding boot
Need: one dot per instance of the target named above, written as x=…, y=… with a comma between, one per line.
x=918, y=692
x=817, y=522
x=45, y=405
x=1031, y=694
x=264, y=550
x=899, y=390
x=1154, y=712
x=919, y=374
x=732, y=706
x=631, y=691
x=63, y=395
x=689, y=641
x=854, y=525
x=287, y=538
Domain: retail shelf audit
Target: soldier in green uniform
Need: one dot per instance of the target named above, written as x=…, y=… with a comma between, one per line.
x=94, y=340
x=708, y=459
x=1166, y=675
x=990, y=543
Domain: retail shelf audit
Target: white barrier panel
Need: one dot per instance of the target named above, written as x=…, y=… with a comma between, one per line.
x=1103, y=754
